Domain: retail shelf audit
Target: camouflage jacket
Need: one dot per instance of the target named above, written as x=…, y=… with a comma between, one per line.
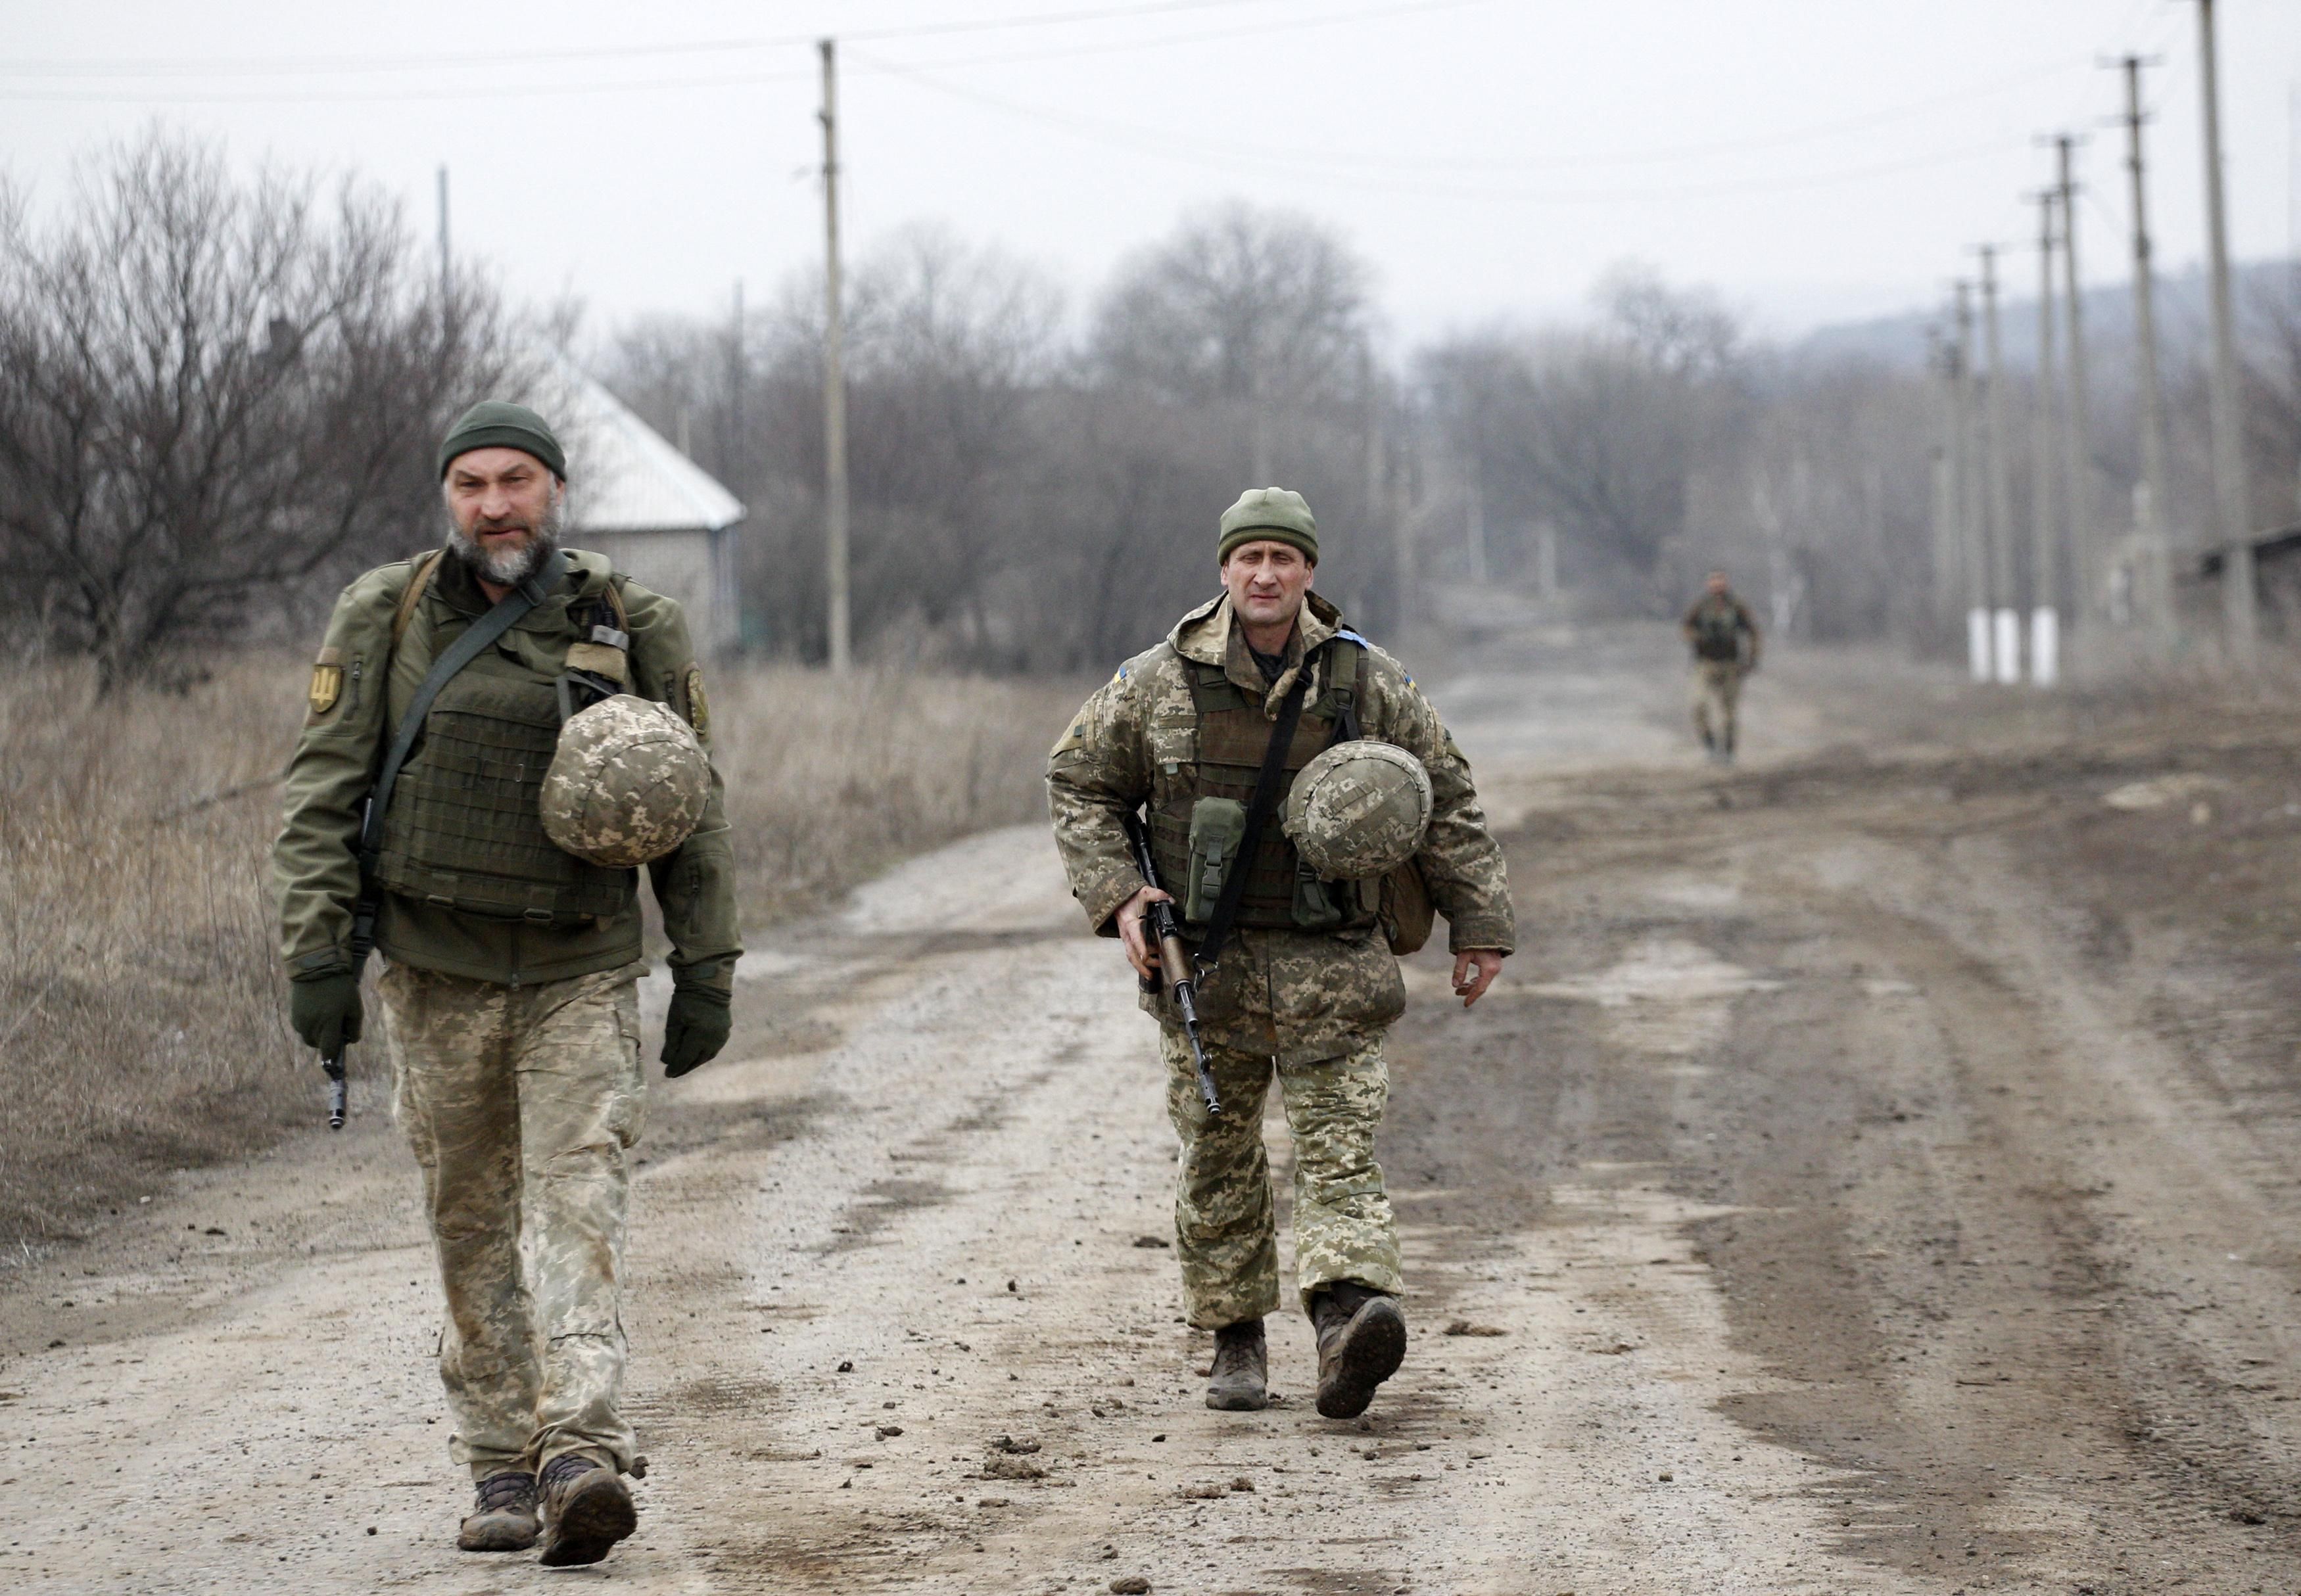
x=362, y=686
x=1297, y=995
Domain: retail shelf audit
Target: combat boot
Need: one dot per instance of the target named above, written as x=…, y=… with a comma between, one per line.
x=503, y=1516
x=587, y=1508
x=1361, y=1343
x=1242, y=1369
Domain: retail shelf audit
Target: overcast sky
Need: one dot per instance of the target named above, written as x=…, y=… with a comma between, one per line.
x=1812, y=159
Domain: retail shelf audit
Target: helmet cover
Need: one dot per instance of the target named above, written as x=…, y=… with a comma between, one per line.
x=627, y=784
x=1359, y=810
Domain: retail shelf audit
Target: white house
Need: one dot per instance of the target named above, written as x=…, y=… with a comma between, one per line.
x=665, y=521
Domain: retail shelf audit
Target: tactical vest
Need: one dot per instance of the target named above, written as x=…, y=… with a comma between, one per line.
x=464, y=831
x=1231, y=735
x=1717, y=629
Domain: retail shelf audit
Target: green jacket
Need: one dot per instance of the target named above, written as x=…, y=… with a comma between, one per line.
x=361, y=688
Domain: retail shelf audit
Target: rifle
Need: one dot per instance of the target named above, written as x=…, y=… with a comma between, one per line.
x=1174, y=960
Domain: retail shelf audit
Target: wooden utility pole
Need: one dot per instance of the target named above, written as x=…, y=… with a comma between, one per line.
x=2045, y=511
x=2006, y=647
x=1942, y=362
x=1973, y=554
x=2077, y=459
x=2232, y=517
x=738, y=372
x=834, y=378
x=2150, y=504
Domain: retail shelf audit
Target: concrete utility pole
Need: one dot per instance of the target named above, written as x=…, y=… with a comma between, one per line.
x=2232, y=517
x=446, y=273
x=1941, y=361
x=2077, y=460
x=2045, y=513
x=2149, y=502
x=834, y=378
x=737, y=375
x=1973, y=554
x=1377, y=463
x=2007, y=647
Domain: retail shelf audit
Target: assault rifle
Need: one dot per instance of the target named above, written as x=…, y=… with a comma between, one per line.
x=1173, y=959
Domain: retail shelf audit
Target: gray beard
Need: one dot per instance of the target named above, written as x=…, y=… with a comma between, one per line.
x=513, y=567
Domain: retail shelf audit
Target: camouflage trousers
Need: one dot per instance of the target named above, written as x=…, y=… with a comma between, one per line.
x=1226, y=1223
x=1717, y=691
x=519, y=1103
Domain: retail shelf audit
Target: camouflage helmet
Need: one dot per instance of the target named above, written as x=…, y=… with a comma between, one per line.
x=1359, y=810
x=627, y=785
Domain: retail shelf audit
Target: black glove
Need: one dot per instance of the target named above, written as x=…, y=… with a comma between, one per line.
x=695, y=1030
x=324, y=1008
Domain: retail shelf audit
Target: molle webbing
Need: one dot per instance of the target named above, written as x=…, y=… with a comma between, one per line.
x=464, y=826
x=1232, y=738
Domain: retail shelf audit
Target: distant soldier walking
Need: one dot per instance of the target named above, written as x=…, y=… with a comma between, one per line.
x=1306, y=809
x=527, y=725
x=1723, y=634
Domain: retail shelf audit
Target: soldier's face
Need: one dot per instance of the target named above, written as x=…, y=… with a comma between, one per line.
x=1716, y=583
x=504, y=503
x=1266, y=581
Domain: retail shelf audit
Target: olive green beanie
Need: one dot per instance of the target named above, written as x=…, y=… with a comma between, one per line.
x=496, y=424
x=1277, y=514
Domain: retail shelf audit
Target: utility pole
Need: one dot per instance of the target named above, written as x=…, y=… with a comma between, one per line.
x=2045, y=515
x=2077, y=460
x=1377, y=463
x=445, y=273
x=2232, y=516
x=2007, y=647
x=1973, y=550
x=2150, y=503
x=834, y=378
x=1475, y=520
x=1941, y=361
x=738, y=377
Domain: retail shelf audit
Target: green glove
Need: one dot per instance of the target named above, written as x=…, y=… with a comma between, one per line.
x=697, y=1026
x=324, y=1008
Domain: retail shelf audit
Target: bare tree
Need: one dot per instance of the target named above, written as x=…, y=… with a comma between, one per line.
x=210, y=392
x=1261, y=311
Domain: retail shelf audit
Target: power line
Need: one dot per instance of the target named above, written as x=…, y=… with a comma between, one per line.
x=1146, y=141
x=177, y=66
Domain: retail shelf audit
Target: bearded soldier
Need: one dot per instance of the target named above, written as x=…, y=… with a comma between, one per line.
x=1303, y=799
x=1723, y=634
x=510, y=999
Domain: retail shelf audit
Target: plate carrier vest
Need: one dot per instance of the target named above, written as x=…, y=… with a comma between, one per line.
x=1229, y=739
x=464, y=831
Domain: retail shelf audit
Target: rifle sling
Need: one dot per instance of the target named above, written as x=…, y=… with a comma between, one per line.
x=1267, y=783
x=477, y=639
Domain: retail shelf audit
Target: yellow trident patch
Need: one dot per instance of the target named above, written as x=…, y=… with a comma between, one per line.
x=327, y=681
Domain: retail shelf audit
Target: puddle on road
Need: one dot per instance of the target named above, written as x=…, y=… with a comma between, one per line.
x=1667, y=999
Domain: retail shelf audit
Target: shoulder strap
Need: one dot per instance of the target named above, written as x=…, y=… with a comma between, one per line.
x=1343, y=665
x=477, y=637
x=419, y=582
x=1267, y=782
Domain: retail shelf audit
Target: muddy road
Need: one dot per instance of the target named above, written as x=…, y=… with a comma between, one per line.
x=1877, y=1173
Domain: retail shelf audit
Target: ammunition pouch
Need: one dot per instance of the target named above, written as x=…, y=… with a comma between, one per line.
x=1217, y=827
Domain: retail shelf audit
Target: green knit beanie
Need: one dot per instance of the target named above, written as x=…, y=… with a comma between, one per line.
x=497, y=423
x=1280, y=514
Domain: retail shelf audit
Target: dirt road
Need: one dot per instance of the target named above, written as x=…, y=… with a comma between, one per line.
x=1879, y=1166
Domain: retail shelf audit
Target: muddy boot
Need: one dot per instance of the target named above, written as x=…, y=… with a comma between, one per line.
x=503, y=1516
x=1242, y=1369
x=1361, y=1343
x=587, y=1508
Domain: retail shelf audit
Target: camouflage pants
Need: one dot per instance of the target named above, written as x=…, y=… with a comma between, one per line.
x=1226, y=1224
x=1717, y=691
x=519, y=1103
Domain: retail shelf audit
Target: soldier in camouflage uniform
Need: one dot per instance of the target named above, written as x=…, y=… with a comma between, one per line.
x=1723, y=635
x=511, y=1001
x=1307, y=984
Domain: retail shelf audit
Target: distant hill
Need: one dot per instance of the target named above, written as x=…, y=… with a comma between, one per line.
x=2182, y=319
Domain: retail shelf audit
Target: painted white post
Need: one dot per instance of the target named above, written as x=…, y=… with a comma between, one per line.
x=1977, y=641
x=2009, y=647
x=2044, y=646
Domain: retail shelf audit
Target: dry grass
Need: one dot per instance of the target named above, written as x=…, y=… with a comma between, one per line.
x=141, y=1004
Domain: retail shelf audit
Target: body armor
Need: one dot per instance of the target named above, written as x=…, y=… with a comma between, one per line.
x=1230, y=738
x=465, y=830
